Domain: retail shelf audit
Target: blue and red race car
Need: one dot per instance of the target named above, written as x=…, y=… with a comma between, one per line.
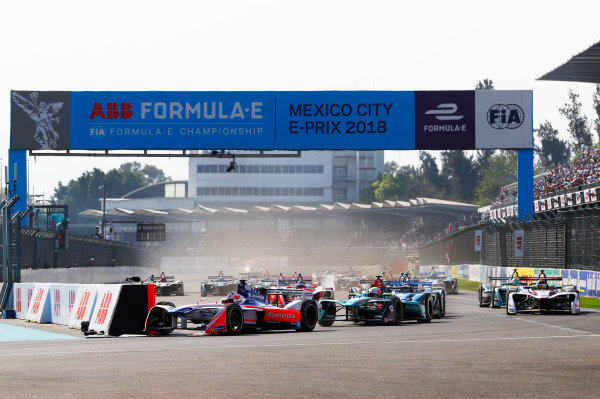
x=241, y=311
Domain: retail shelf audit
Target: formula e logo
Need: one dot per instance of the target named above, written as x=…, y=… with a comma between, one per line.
x=445, y=112
x=505, y=116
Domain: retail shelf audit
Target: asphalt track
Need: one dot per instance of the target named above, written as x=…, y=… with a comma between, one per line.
x=473, y=352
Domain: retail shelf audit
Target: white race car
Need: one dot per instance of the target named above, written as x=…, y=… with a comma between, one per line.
x=542, y=297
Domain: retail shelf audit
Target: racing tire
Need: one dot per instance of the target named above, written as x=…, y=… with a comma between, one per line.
x=428, y=310
x=481, y=304
x=165, y=303
x=443, y=304
x=438, y=314
x=180, y=290
x=398, y=312
x=309, y=314
x=234, y=319
x=493, y=298
x=455, y=288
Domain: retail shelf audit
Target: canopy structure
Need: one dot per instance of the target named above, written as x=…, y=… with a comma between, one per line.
x=413, y=208
x=583, y=67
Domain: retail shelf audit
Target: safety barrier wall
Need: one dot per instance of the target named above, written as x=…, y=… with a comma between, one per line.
x=113, y=309
x=587, y=282
x=87, y=275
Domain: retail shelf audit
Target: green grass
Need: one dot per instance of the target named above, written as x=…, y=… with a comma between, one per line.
x=584, y=302
x=468, y=285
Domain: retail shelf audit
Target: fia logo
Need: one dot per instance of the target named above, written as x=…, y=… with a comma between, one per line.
x=505, y=116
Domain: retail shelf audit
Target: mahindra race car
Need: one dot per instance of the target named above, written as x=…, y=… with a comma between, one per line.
x=372, y=307
x=495, y=293
x=220, y=285
x=542, y=297
x=166, y=285
x=421, y=300
x=241, y=311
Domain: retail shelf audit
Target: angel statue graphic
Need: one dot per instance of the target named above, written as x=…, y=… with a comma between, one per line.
x=43, y=115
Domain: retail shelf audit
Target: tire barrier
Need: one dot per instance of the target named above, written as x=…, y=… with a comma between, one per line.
x=585, y=281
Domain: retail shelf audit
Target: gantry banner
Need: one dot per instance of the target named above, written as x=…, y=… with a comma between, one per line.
x=271, y=120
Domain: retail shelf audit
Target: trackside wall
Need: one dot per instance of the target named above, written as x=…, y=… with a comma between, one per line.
x=587, y=282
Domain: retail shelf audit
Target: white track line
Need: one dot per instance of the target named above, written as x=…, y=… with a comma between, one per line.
x=251, y=346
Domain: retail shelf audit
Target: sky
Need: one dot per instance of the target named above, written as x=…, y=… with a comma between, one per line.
x=285, y=45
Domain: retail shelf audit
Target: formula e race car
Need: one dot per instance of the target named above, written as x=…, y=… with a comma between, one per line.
x=422, y=300
x=166, y=285
x=495, y=292
x=540, y=296
x=220, y=285
x=450, y=283
x=372, y=307
x=241, y=311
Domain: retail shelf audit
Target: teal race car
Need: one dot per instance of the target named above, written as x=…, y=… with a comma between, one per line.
x=373, y=307
x=422, y=301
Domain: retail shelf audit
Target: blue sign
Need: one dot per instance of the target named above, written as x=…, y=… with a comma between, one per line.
x=304, y=120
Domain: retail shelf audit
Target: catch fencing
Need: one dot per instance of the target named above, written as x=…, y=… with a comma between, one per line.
x=569, y=241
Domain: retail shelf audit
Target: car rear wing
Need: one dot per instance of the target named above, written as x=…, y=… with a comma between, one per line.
x=158, y=278
x=220, y=277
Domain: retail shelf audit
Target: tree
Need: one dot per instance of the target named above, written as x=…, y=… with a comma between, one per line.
x=487, y=84
x=500, y=171
x=460, y=173
x=552, y=151
x=581, y=137
x=84, y=193
x=596, y=98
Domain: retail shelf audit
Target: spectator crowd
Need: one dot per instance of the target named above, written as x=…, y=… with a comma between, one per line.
x=582, y=171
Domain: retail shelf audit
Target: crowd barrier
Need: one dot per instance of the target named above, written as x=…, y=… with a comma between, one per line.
x=112, y=309
x=587, y=282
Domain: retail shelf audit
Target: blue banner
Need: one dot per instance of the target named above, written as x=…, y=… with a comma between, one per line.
x=269, y=120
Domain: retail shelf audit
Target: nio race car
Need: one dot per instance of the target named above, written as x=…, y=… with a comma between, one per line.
x=540, y=296
x=373, y=307
x=241, y=311
x=166, y=285
x=220, y=285
x=422, y=300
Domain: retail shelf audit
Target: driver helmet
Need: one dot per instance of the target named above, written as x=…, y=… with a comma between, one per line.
x=232, y=298
x=515, y=281
x=541, y=284
x=374, y=291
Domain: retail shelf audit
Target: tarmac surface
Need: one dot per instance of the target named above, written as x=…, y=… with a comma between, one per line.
x=472, y=352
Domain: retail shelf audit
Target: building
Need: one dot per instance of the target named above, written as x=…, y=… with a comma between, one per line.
x=314, y=177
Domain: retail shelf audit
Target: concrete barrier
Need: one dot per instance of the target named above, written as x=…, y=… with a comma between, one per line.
x=21, y=297
x=87, y=275
x=84, y=305
x=39, y=308
x=62, y=299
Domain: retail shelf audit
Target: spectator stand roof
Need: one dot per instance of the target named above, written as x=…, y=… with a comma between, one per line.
x=413, y=208
x=583, y=67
